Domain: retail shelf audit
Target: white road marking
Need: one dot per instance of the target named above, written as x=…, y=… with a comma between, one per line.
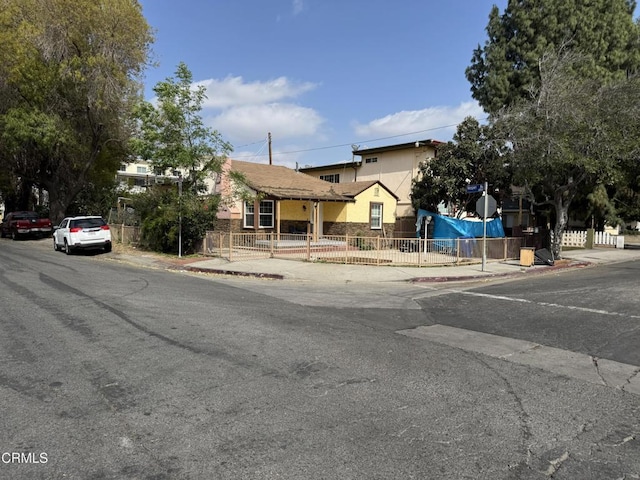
x=547, y=304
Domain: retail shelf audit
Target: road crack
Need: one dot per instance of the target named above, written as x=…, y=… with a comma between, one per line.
x=594, y=360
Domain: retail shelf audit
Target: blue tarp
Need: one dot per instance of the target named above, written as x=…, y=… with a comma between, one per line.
x=447, y=227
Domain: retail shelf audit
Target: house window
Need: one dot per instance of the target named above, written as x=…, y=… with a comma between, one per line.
x=375, y=216
x=266, y=214
x=248, y=215
x=331, y=178
x=371, y=160
x=123, y=167
x=141, y=169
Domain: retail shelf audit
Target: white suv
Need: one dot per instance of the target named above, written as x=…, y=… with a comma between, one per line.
x=82, y=233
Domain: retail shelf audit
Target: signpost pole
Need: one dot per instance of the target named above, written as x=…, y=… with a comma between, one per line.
x=484, y=226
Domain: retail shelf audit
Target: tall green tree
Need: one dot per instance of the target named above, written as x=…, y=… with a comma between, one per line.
x=471, y=158
x=70, y=74
x=171, y=135
x=507, y=66
x=575, y=136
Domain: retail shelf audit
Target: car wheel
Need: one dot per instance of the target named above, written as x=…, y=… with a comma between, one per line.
x=2, y=234
x=56, y=247
x=67, y=248
x=14, y=235
x=107, y=248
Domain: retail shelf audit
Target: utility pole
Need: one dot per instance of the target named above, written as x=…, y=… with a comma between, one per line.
x=270, y=155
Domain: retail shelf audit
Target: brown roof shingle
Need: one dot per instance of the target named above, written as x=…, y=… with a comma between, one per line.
x=287, y=184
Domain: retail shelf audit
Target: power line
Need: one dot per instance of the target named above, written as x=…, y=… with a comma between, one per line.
x=347, y=144
x=252, y=143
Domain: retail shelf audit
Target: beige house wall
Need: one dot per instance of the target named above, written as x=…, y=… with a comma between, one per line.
x=396, y=170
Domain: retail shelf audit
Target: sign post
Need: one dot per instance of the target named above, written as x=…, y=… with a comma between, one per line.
x=485, y=206
x=484, y=227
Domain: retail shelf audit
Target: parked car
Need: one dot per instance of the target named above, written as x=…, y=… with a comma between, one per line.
x=76, y=233
x=24, y=224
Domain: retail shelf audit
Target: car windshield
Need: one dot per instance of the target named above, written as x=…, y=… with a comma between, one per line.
x=87, y=222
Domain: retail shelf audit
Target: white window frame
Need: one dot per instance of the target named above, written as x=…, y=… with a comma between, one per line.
x=266, y=215
x=375, y=218
x=249, y=209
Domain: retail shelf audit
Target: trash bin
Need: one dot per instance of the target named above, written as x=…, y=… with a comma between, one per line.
x=527, y=256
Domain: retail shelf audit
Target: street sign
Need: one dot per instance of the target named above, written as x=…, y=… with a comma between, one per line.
x=475, y=188
x=491, y=205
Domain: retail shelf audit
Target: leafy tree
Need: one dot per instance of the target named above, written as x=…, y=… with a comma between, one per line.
x=171, y=133
x=471, y=158
x=172, y=137
x=507, y=66
x=69, y=76
x=575, y=136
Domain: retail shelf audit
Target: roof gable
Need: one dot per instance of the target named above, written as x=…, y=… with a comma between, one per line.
x=286, y=184
x=353, y=189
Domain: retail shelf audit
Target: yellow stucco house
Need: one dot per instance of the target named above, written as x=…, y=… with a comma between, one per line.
x=282, y=200
x=393, y=165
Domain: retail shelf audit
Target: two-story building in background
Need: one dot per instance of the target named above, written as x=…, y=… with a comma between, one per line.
x=393, y=165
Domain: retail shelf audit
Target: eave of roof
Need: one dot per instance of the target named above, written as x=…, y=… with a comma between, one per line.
x=332, y=166
x=399, y=146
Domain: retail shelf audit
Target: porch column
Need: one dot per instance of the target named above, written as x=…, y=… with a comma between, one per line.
x=316, y=219
x=278, y=220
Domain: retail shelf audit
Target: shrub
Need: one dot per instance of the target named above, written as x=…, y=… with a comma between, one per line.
x=160, y=209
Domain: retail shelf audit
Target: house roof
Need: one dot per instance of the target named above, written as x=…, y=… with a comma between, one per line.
x=286, y=184
x=351, y=189
x=399, y=146
x=332, y=166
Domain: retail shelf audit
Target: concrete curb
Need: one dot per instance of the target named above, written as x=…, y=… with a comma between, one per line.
x=467, y=278
x=217, y=271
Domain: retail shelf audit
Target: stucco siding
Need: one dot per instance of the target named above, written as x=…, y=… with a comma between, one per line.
x=360, y=211
x=335, y=212
x=294, y=210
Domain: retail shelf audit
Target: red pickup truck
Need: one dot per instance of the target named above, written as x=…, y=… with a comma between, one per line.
x=24, y=224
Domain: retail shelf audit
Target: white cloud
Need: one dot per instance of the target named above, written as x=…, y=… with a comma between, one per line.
x=440, y=122
x=298, y=6
x=233, y=91
x=283, y=120
x=246, y=111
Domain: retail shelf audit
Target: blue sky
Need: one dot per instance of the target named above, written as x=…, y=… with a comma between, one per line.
x=321, y=75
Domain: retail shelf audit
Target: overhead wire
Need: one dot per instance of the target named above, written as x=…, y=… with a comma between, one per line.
x=342, y=144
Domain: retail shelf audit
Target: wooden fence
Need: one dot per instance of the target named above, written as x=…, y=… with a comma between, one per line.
x=124, y=234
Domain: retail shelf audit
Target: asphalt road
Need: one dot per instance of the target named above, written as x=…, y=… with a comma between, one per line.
x=109, y=371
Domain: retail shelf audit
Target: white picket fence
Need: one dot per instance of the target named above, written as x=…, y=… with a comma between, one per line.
x=578, y=238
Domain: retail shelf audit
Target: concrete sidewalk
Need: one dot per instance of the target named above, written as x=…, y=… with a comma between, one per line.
x=333, y=273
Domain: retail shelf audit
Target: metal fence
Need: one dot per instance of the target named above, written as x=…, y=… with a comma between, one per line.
x=358, y=250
